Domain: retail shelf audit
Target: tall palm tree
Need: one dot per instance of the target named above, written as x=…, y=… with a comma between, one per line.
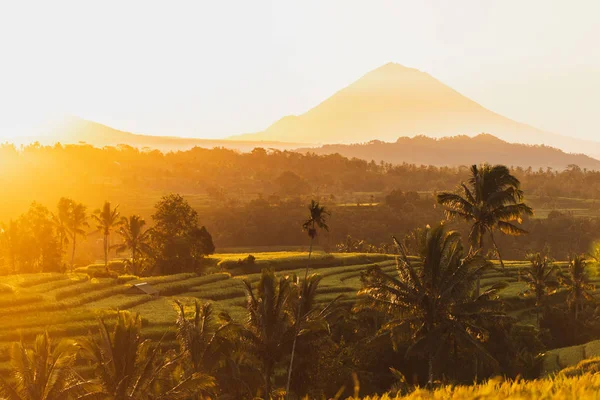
x=577, y=283
x=61, y=221
x=541, y=278
x=492, y=200
x=317, y=220
x=77, y=221
x=310, y=317
x=134, y=239
x=107, y=219
x=44, y=372
x=270, y=324
x=211, y=345
x=433, y=305
x=129, y=367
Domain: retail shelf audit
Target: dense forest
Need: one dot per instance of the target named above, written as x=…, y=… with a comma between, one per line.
x=257, y=198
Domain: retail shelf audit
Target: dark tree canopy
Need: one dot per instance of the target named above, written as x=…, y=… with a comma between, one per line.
x=178, y=240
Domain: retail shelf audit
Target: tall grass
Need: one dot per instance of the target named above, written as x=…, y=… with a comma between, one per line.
x=560, y=387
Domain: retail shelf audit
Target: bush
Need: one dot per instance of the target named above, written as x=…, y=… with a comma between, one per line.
x=103, y=274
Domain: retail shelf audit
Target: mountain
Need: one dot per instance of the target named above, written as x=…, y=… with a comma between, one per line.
x=459, y=150
x=74, y=130
x=393, y=101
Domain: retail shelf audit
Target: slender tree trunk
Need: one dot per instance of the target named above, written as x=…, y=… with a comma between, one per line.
x=106, y=252
x=430, y=373
x=73, y=252
x=297, y=327
x=497, y=249
x=133, y=261
x=267, y=375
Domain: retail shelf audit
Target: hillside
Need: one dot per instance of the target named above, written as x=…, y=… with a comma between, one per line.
x=393, y=101
x=459, y=150
x=75, y=130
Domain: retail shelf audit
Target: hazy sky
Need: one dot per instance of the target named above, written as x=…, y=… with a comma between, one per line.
x=218, y=68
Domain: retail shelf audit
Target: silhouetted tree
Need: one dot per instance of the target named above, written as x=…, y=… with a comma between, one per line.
x=107, y=219
x=433, y=306
x=541, y=278
x=129, y=367
x=135, y=239
x=317, y=220
x=492, y=200
x=270, y=324
x=577, y=283
x=77, y=221
x=179, y=243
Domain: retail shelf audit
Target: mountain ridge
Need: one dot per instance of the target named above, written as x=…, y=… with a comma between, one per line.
x=457, y=151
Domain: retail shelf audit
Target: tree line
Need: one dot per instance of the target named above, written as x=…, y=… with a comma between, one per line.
x=45, y=241
x=86, y=173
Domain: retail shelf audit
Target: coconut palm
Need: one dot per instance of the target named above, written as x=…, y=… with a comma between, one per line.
x=44, y=372
x=211, y=345
x=61, y=221
x=433, y=305
x=135, y=239
x=492, y=200
x=310, y=317
x=77, y=221
x=540, y=276
x=317, y=220
x=577, y=283
x=129, y=367
x=203, y=339
x=270, y=323
x=107, y=219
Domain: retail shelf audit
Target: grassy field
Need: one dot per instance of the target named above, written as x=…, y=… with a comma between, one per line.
x=70, y=304
x=560, y=387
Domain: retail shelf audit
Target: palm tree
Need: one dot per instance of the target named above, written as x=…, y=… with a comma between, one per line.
x=203, y=339
x=107, y=219
x=310, y=317
x=433, y=305
x=211, y=345
x=317, y=220
x=270, y=323
x=77, y=221
x=541, y=279
x=491, y=200
x=577, y=283
x=61, y=221
x=44, y=372
x=129, y=367
x=134, y=239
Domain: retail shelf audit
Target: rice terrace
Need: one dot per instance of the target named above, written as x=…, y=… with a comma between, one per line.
x=291, y=200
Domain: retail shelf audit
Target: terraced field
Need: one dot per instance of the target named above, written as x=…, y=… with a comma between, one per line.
x=70, y=304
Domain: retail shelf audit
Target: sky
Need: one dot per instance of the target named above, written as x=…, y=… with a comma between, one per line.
x=217, y=68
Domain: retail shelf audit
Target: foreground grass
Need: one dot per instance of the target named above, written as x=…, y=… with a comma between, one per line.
x=559, y=387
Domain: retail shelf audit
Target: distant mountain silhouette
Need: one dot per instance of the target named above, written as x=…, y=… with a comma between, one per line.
x=76, y=130
x=393, y=101
x=459, y=150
